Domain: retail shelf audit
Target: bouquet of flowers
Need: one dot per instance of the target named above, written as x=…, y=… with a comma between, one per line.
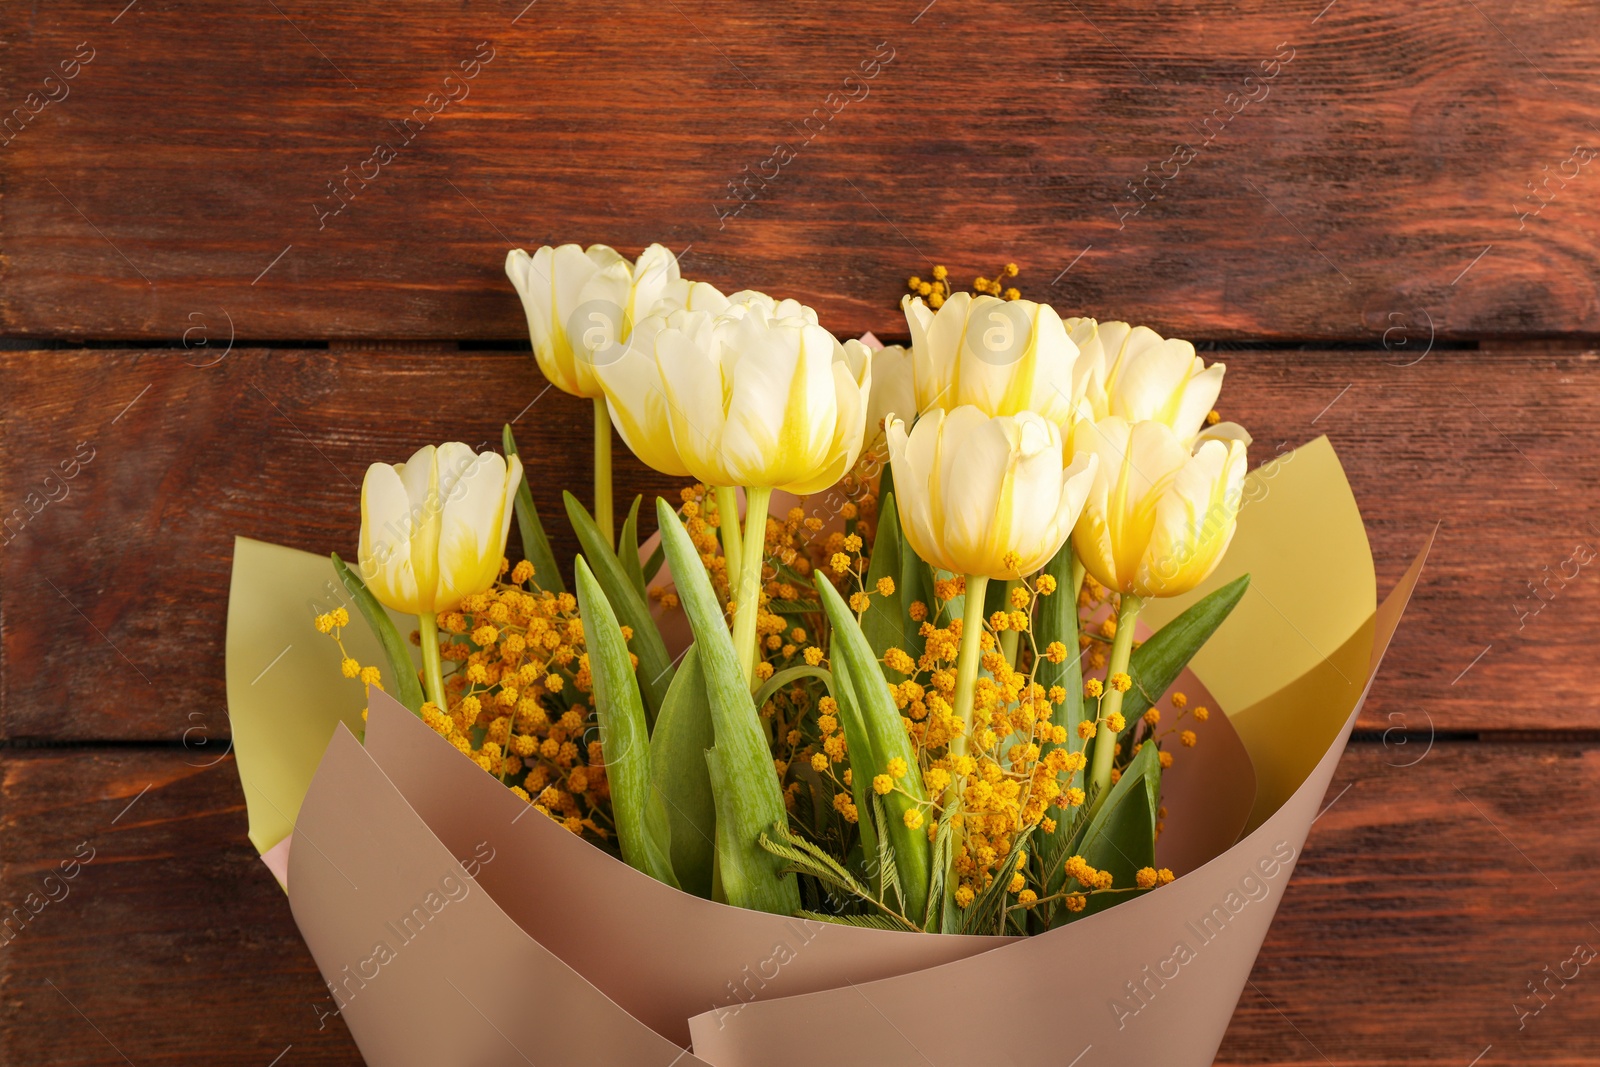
x=900, y=710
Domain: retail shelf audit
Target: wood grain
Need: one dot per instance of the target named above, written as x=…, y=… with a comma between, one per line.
x=1380, y=159
x=115, y=596
x=1409, y=930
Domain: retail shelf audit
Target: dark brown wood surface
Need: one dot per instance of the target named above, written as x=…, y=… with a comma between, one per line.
x=115, y=596
x=192, y=203
x=1303, y=170
x=1428, y=897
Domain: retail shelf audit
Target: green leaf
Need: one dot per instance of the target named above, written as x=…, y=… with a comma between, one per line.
x=655, y=666
x=678, y=770
x=885, y=622
x=803, y=857
x=793, y=607
x=872, y=922
x=628, y=550
x=1121, y=835
x=407, y=687
x=888, y=874
x=943, y=841
x=791, y=674
x=1156, y=663
x=986, y=914
x=535, y=545
x=641, y=818
x=652, y=566
x=744, y=784
x=875, y=733
x=1056, y=619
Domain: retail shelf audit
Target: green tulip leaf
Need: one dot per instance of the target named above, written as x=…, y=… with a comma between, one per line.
x=876, y=734
x=535, y=545
x=1156, y=663
x=408, y=689
x=628, y=549
x=886, y=622
x=791, y=674
x=1056, y=619
x=655, y=666
x=1121, y=836
x=678, y=770
x=643, y=831
x=744, y=784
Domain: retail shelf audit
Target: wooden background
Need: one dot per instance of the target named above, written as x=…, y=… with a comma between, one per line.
x=1393, y=238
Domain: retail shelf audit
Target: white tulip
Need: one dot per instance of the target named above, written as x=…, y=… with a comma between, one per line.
x=1002, y=356
x=433, y=529
x=983, y=495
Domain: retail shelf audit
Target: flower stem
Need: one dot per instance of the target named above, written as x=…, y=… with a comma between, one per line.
x=1105, y=742
x=1009, y=639
x=433, y=673
x=728, y=525
x=602, y=470
x=968, y=660
x=747, y=602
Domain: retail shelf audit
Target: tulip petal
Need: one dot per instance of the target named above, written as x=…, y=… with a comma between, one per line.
x=384, y=552
x=637, y=399
x=694, y=384
x=472, y=525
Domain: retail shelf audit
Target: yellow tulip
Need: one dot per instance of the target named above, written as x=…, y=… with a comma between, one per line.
x=1002, y=356
x=433, y=529
x=1136, y=374
x=582, y=304
x=1159, y=517
x=985, y=495
x=636, y=394
x=759, y=396
x=893, y=389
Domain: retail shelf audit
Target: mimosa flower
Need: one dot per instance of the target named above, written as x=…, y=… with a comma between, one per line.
x=1158, y=518
x=986, y=495
x=433, y=529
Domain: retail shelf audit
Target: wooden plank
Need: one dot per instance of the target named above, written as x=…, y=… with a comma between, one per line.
x=1407, y=934
x=172, y=944
x=1429, y=898
x=115, y=596
x=1215, y=169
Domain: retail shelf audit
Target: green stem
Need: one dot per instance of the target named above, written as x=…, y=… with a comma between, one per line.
x=1105, y=739
x=1009, y=639
x=728, y=520
x=969, y=659
x=747, y=602
x=432, y=671
x=602, y=470
x=967, y=663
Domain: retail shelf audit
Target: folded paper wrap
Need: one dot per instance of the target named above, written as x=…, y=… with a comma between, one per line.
x=453, y=923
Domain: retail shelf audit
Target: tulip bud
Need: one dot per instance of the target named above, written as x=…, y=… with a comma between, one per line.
x=433, y=529
x=1158, y=518
x=986, y=495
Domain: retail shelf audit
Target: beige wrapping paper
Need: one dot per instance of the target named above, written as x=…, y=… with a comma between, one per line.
x=425, y=968
x=1153, y=980
x=541, y=948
